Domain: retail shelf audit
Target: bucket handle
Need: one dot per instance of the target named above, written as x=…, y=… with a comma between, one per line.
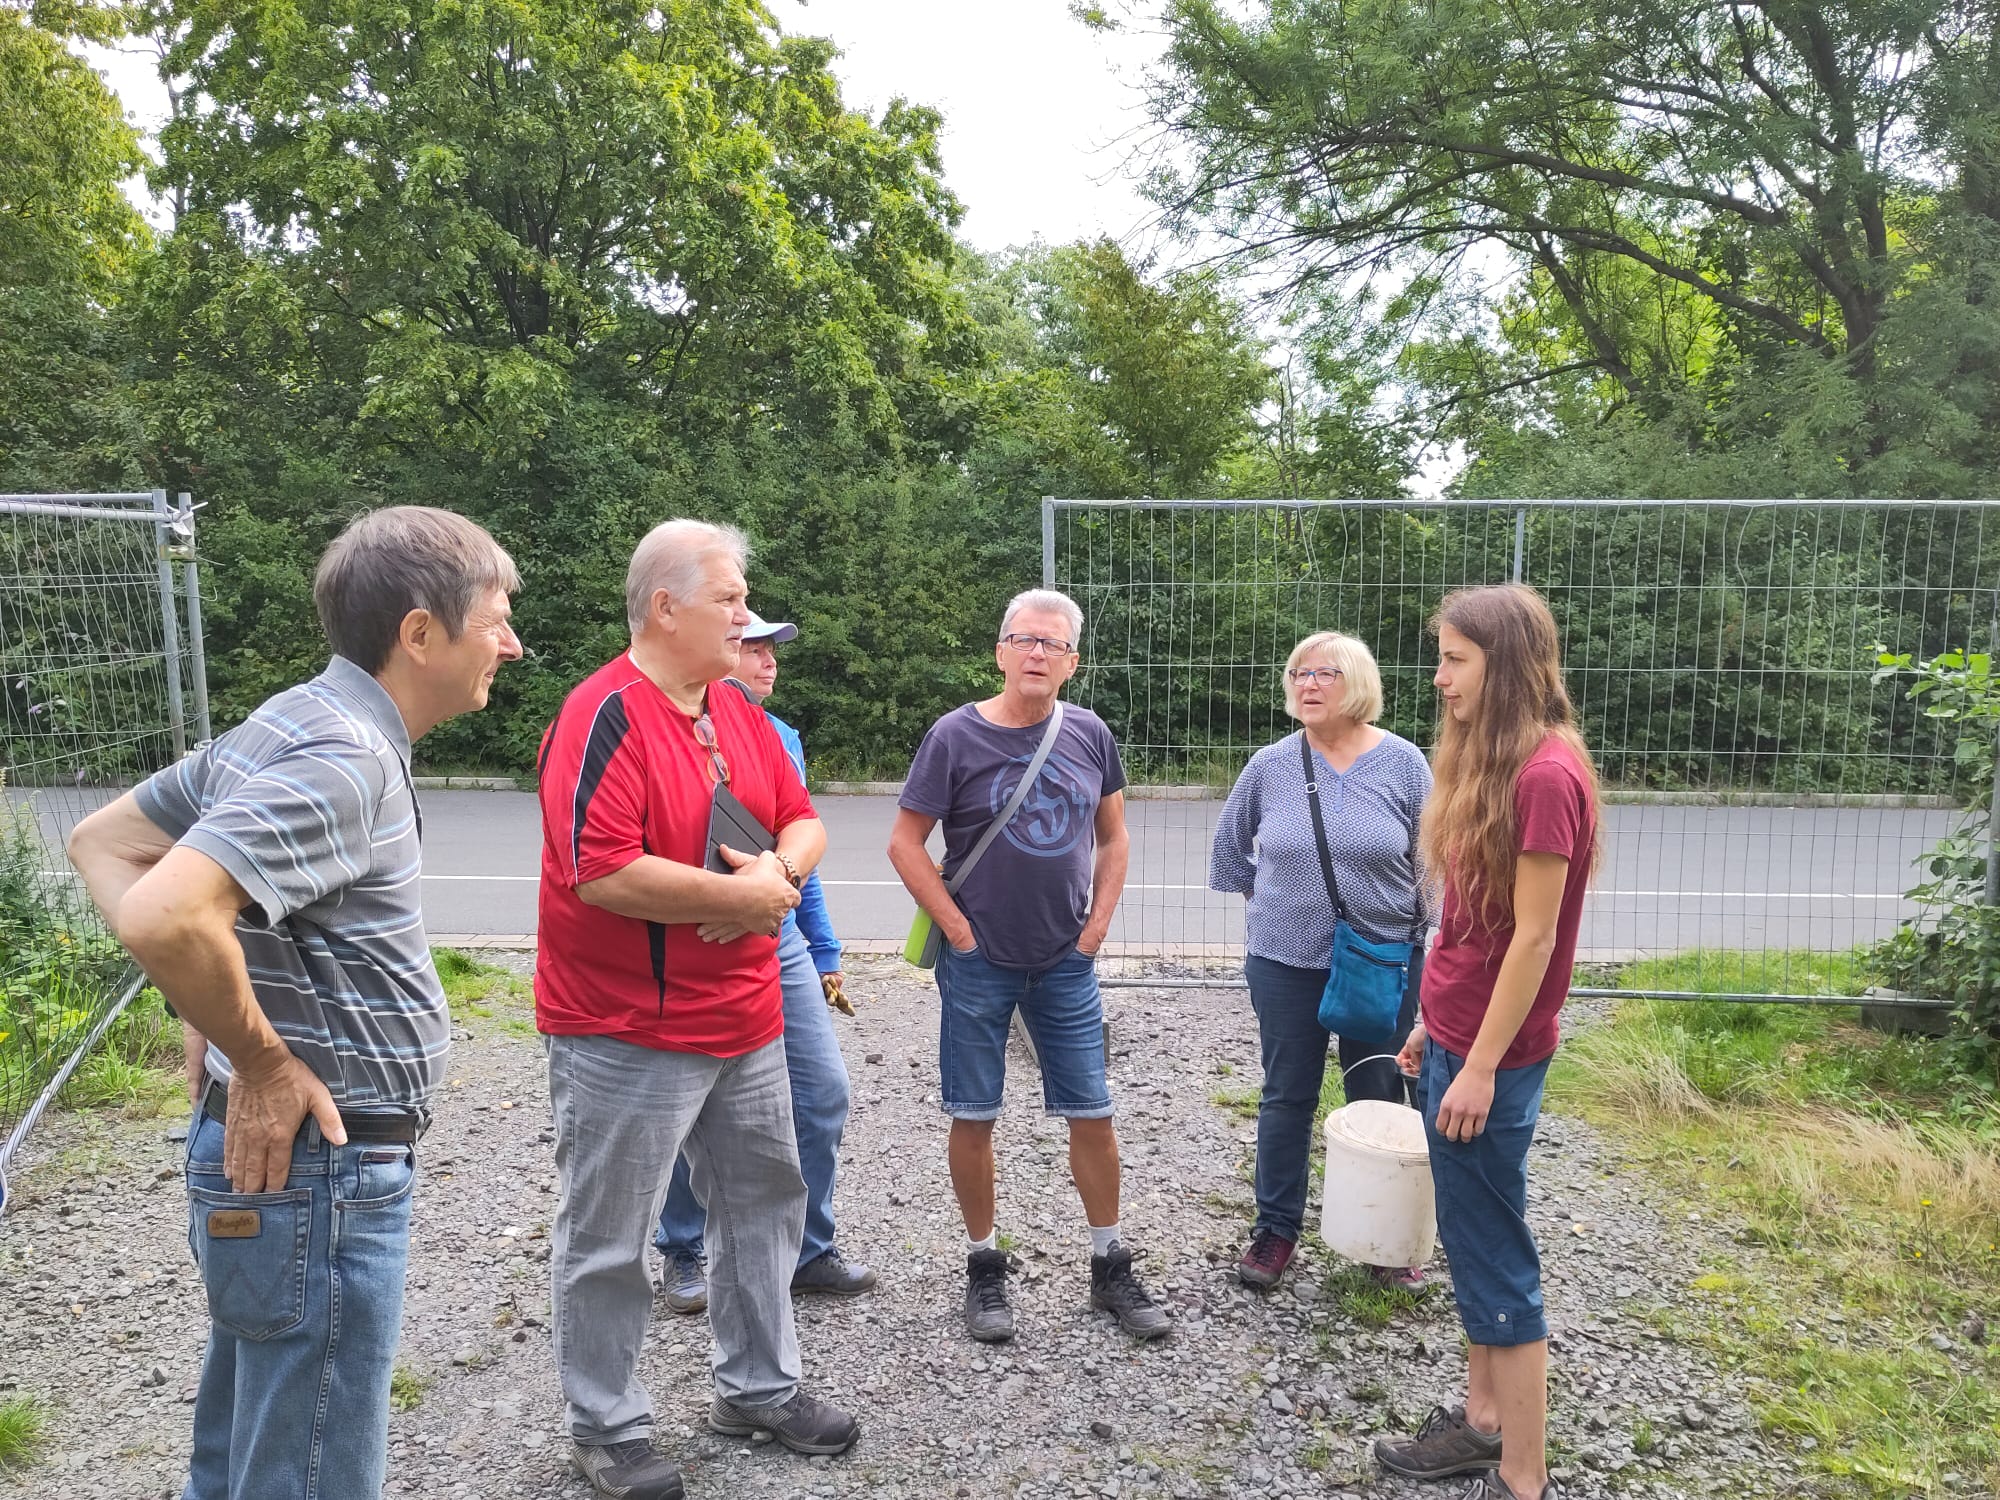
x=1378, y=1057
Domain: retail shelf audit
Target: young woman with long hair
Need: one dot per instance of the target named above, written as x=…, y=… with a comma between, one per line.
x=1512, y=827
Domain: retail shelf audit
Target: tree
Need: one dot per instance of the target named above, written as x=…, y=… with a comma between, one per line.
x=68, y=242
x=570, y=268
x=1692, y=206
x=1125, y=382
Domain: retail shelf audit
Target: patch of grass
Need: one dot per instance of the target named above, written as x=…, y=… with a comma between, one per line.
x=407, y=1388
x=24, y=1422
x=1358, y=1294
x=478, y=990
x=1316, y=1456
x=1239, y=1102
x=105, y=1079
x=1870, y=1169
x=1006, y=1243
x=1644, y=1439
x=1747, y=972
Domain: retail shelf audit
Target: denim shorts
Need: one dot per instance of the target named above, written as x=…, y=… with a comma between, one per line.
x=1482, y=1198
x=1065, y=1019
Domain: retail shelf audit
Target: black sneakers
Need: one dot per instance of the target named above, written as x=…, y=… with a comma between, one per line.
x=1115, y=1288
x=1446, y=1444
x=803, y=1424
x=832, y=1275
x=627, y=1471
x=988, y=1318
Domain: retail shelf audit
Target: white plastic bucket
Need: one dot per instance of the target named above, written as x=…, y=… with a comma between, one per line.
x=1378, y=1208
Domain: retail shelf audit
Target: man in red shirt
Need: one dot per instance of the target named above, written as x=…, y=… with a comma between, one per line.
x=656, y=984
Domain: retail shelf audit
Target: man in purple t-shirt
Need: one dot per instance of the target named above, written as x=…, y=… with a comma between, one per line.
x=1023, y=932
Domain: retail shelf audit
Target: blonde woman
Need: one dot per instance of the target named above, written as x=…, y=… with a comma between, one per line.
x=1372, y=786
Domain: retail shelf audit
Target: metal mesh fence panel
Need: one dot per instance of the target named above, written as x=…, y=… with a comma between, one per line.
x=100, y=685
x=1768, y=800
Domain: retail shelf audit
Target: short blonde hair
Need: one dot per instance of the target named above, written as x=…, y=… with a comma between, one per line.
x=1360, y=679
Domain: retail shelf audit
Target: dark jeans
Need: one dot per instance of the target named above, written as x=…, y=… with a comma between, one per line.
x=1294, y=1045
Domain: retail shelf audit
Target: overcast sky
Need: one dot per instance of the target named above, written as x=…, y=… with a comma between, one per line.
x=1039, y=111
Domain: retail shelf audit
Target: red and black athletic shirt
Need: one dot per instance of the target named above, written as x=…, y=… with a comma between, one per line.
x=622, y=774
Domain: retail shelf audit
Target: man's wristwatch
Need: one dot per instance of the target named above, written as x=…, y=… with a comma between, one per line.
x=791, y=872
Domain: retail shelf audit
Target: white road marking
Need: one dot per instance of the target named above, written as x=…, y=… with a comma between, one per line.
x=1137, y=886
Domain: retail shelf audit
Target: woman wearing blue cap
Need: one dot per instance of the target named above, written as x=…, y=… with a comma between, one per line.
x=809, y=964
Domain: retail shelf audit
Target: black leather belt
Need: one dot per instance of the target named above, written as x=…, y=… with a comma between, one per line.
x=402, y=1129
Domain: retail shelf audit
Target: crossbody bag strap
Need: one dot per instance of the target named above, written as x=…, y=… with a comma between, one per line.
x=1014, y=802
x=1423, y=921
x=1319, y=824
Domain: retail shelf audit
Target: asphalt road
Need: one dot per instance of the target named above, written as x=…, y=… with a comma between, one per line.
x=1673, y=877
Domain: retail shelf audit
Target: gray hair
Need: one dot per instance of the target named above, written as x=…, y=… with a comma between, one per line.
x=404, y=557
x=674, y=556
x=1046, y=601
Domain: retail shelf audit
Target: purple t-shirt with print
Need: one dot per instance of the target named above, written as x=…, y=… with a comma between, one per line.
x=1029, y=895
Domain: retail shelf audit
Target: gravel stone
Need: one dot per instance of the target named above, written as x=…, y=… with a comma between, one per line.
x=1252, y=1397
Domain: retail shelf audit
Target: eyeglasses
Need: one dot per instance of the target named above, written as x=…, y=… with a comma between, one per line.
x=1315, y=676
x=1051, y=645
x=704, y=730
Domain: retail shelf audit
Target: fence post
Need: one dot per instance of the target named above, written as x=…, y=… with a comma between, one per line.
x=1520, y=542
x=197, y=647
x=1048, y=541
x=170, y=621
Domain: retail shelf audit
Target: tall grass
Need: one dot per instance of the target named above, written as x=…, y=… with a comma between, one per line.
x=1868, y=1167
x=23, y=1431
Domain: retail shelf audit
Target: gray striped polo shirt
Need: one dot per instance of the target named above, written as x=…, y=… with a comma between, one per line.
x=1264, y=848
x=308, y=805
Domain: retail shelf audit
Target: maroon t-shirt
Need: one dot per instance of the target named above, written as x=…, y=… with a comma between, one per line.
x=1554, y=814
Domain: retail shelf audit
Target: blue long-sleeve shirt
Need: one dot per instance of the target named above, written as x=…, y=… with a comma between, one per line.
x=811, y=915
x=1265, y=848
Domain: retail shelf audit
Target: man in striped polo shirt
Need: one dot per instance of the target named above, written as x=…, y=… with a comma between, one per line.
x=268, y=886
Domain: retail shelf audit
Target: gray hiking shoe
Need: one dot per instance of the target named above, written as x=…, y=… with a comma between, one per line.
x=684, y=1283
x=802, y=1424
x=988, y=1318
x=1115, y=1288
x=1445, y=1445
x=626, y=1471
x=830, y=1275
x=1493, y=1487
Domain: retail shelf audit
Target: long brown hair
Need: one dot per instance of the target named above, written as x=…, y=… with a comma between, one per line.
x=1469, y=833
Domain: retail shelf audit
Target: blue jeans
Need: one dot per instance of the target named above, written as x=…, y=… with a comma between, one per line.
x=1481, y=1186
x=1063, y=1012
x=305, y=1303
x=1286, y=1001
x=819, y=1112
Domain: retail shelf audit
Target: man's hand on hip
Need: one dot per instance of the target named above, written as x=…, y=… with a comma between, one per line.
x=194, y=1053
x=266, y=1109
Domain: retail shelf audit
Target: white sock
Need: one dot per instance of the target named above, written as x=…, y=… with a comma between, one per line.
x=991, y=1242
x=1101, y=1240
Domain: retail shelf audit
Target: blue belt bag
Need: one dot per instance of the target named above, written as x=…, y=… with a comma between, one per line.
x=1366, y=980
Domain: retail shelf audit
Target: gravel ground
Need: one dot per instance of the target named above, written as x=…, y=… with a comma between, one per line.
x=1251, y=1397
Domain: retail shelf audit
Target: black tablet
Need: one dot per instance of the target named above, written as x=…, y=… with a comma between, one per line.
x=731, y=823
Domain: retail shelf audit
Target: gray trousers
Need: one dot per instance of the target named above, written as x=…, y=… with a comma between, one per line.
x=623, y=1113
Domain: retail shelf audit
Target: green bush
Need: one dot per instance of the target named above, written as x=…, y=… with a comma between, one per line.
x=1955, y=957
